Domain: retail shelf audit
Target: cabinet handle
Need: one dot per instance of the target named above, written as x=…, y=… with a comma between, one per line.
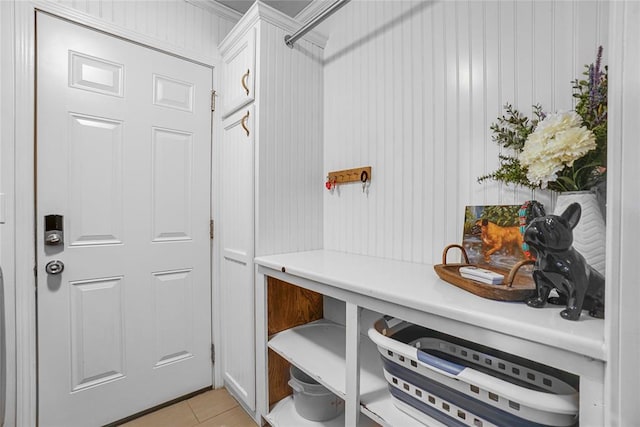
x=243, y=123
x=245, y=76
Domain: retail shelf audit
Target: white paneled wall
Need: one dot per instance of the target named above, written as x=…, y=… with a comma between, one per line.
x=411, y=88
x=289, y=178
x=176, y=22
x=623, y=210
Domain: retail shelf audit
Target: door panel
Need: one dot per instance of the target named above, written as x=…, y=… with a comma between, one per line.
x=96, y=74
x=95, y=180
x=123, y=153
x=237, y=270
x=172, y=181
x=97, y=335
x=172, y=93
x=239, y=74
x=173, y=292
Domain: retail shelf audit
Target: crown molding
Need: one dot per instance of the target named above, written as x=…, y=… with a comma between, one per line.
x=312, y=9
x=218, y=9
x=262, y=12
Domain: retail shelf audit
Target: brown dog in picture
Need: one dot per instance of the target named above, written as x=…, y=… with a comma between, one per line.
x=495, y=238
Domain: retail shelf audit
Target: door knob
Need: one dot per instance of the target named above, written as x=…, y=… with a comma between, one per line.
x=54, y=267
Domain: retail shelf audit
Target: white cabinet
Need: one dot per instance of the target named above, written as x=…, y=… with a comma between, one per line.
x=237, y=249
x=341, y=357
x=270, y=176
x=239, y=73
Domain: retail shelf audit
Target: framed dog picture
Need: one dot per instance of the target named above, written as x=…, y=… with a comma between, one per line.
x=492, y=236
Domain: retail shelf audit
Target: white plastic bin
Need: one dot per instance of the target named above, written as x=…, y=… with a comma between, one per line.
x=312, y=400
x=457, y=382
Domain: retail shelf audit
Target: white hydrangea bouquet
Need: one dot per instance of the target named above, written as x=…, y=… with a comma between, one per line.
x=555, y=144
x=564, y=151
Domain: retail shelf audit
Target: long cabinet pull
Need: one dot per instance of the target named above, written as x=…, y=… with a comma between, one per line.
x=245, y=76
x=243, y=123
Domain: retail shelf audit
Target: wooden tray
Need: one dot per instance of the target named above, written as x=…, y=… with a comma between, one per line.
x=514, y=288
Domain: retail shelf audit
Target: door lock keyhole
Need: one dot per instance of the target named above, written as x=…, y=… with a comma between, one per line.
x=54, y=267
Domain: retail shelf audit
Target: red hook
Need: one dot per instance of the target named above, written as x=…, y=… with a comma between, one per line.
x=331, y=184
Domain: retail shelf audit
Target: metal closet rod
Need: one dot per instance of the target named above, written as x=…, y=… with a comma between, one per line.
x=289, y=40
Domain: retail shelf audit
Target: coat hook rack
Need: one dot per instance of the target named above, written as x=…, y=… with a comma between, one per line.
x=362, y=175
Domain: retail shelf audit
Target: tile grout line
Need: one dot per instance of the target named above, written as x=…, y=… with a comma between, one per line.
x=217, y=415
x=194, y=413
x=236, y=404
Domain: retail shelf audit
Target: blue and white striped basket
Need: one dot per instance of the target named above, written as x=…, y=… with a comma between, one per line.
x=458, y=383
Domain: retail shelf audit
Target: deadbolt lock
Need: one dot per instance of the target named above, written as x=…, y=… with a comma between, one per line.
x=53, y=232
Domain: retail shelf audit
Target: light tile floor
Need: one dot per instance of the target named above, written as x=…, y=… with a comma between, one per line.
x=214, y=408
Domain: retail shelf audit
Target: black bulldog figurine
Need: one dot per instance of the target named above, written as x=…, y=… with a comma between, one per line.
x=560, y=266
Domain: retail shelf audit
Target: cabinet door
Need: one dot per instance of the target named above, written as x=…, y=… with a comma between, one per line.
x=239, y=73
x=237, y=287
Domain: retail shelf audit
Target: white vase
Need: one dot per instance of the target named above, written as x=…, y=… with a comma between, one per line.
x=589, y=235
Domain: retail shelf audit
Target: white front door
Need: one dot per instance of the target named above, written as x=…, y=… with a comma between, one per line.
x=123, y=155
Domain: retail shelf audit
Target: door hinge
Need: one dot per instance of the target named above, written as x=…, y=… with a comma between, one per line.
x=213, y=354
x=211, y=229
x=213, y=100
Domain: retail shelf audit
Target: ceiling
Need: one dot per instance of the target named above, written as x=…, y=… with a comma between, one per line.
x=288, y=7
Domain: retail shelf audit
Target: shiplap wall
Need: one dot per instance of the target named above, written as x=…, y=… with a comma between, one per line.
x=289, y=179
x=622, y=333
x=176, y=22
x=411, y=88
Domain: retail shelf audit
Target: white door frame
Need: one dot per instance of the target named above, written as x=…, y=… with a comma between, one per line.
x=23, y=187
